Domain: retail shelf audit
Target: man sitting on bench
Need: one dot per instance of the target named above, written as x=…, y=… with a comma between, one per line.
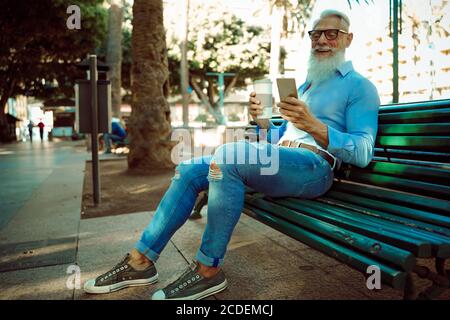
x=117, y=136
x=334, y=121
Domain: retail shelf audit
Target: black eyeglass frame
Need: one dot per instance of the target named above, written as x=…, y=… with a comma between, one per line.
x=325, y=32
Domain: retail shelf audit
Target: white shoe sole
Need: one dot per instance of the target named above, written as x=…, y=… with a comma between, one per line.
x=89, y=286
x=206, y=293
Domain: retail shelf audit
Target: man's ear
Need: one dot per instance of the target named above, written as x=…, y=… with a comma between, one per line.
x=349, y=39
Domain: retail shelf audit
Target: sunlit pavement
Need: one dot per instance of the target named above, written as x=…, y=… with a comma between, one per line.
x=24, y=166
x=41, y=186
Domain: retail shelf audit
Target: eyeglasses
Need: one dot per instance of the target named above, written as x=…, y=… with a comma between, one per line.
x=330, y=34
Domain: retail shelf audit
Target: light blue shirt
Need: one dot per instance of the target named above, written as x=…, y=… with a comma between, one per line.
x=348, y=104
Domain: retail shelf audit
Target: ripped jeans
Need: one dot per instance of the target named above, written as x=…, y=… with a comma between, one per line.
x=295, y=172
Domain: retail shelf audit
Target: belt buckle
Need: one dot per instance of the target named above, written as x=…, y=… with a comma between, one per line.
x=334, y=163
x=334, y=159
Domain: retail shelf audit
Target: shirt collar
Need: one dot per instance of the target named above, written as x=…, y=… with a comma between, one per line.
x=345, y=68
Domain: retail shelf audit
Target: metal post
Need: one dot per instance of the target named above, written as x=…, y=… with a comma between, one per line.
x=184, y=68
x=395, y=51
x=94, y=122
x=221, y=78
x=221, y=93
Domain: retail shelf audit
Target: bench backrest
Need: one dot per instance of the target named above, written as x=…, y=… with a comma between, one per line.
x=412, y=150
x=412, y=155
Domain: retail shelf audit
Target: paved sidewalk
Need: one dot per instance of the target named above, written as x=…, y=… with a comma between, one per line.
x=40, y=222
x=261, y=263
x=45, y=234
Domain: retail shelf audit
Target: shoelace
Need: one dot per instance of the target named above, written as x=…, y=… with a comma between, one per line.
x=117, y=266
x=190, y=269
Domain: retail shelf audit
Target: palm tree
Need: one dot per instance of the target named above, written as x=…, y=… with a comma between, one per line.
x=357, y=1
x=282, y=11
x=114, y=54
x=297, y=11
x=149, y=124
x=434, y=29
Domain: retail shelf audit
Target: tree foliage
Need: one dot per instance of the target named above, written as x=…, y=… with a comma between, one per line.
x=38, y=52
x=219, y=41
x=296, y=14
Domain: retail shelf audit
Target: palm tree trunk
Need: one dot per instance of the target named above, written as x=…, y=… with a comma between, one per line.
x=7, y=92
x=184, y=66
x=149, y=124
x=114, y=55
x=276, y=21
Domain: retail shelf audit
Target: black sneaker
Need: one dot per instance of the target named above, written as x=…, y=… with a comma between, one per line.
x=192, y=286
x=121, y=276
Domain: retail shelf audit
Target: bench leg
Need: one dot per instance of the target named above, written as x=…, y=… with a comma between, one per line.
x=410, y=290
x=440, y=280
x=202, y=200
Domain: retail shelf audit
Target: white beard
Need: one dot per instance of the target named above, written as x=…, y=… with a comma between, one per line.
x=320, y=70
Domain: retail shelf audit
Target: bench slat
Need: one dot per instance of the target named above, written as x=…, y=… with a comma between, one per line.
x=411, y=223
x=415, y=106
x=432, y=115
x=420, y=202
x=390, y=276
x=432, y=143
x=369, y=246
x=438, y=157
x=412, y=172
x=422, y=163
x=439, y=245
x=407, y=212
x=418, y=129
x=424, y=188
x=418, y=247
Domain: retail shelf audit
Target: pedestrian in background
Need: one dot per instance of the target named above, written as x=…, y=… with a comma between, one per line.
x=41, y=126
x=30, y=130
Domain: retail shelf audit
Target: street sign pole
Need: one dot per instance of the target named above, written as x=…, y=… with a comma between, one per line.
x=94, y=122
x=221, y=77
x=395, y=32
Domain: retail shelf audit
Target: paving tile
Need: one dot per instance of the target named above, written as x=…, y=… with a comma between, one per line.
x=267, y=271
x=267, y=254
x=260, y=227
x=104, y=241
x=33, y=254
x=356, y=280
x=47, y=283
x=297, y=286
x=188, y=238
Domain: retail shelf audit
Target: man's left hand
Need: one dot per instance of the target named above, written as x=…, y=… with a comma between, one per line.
x=298, y=113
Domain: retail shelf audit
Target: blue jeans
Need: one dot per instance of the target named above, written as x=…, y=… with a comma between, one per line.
x=108, y=137
x=301, y=173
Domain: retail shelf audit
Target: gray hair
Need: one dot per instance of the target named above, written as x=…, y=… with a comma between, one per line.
x=345, y=21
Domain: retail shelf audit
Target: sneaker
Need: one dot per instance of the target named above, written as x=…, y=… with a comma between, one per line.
x=192, y=286
x=121, y=276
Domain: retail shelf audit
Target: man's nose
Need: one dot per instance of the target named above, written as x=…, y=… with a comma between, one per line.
x=322, y=39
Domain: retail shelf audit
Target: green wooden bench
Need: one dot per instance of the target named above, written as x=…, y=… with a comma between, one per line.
x=391, y=214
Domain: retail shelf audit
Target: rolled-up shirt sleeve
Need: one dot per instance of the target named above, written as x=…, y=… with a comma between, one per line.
x=356, y=146
x=274, y=133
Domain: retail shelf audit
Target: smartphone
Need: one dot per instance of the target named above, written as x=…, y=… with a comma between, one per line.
x=287, y=88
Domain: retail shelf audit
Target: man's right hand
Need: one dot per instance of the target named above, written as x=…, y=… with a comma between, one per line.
x=256, y=109
x=254, y=106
